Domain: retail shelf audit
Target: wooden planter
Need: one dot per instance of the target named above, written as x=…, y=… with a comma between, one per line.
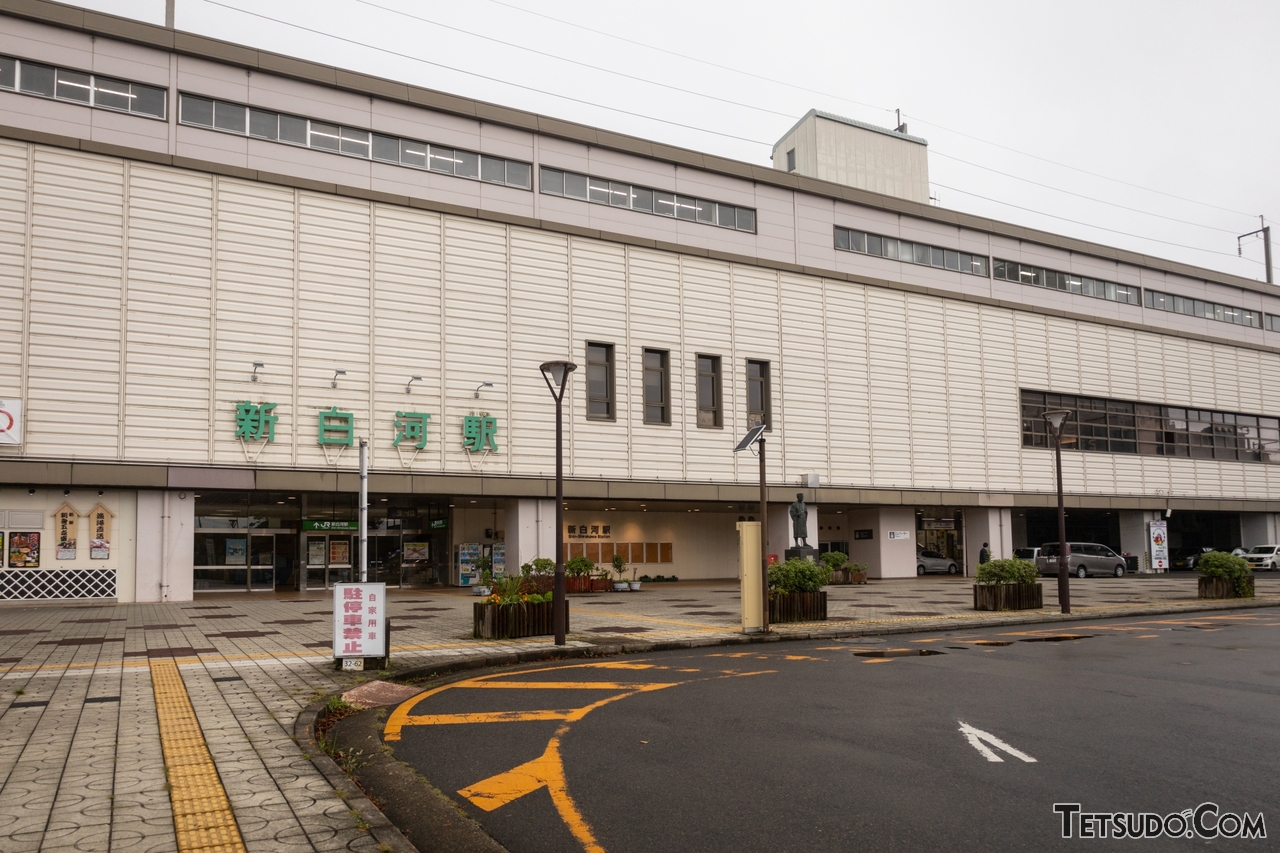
x=577, y=584
x=797, y=607
x=510, y=621
x=1008, y=596
x=844, y=576
x=1223, y=588
x=601, y=585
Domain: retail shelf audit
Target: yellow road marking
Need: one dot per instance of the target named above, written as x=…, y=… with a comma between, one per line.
x=878, y=660
x=546, y=770
x=800, y=657
x=1147, y=636
x=560, y=685
x=202, y=818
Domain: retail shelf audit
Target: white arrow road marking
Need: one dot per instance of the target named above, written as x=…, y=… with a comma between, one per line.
x=977, y=736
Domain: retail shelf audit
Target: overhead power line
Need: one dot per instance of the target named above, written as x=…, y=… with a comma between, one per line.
x=1087, y=224
x=480, y=76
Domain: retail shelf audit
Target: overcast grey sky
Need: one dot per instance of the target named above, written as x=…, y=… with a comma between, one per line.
x=1174, y=100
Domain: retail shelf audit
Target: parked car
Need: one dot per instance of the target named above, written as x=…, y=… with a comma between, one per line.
x=1263, y=557
x=1032, y=554
x=1085, y=558
x=932, y=561
x=1185, y=558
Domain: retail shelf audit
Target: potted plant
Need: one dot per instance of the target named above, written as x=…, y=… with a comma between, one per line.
x=633, y=583
x=1224, y=575
x=600, y=583
x=842, y=570
x=578, y=572
x=795, y=591
x=485, y=566
x=620, y=569
x=510, y=612
x=1008, y=585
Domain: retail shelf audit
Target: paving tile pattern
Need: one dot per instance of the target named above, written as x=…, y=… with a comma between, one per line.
x=82, y=764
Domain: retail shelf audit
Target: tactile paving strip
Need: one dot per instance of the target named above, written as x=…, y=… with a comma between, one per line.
x=202, y=817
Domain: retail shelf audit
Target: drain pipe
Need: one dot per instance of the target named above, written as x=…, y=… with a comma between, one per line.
x=164, y=548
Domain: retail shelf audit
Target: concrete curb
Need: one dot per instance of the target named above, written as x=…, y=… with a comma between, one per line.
x=383, y=830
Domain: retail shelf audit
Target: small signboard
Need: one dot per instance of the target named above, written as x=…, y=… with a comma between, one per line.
x=899, y=534
x=359, y=621
x=864, y=534
x=100, y=533
x=10, y=422
x=1159, y=544
x=330, y=525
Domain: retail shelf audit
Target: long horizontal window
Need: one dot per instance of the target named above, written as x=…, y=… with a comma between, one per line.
x=1069, y=282
x=910, y=253
x=645, y=200
x=1199, y=308
x=78, y=87
x=1122, y=426
x=353, y=142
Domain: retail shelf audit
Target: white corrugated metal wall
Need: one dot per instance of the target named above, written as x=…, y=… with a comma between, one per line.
x=145, y=293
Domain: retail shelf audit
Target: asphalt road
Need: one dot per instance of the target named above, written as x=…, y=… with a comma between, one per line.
x=816, y=747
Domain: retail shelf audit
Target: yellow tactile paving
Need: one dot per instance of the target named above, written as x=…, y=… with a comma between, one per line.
x=202, y=818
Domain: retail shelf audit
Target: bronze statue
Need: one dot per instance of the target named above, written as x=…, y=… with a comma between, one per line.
x=800, y=521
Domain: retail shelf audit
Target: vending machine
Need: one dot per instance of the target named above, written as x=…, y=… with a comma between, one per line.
x=465, y=557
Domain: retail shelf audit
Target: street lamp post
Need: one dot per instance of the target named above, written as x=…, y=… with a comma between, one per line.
x=557, y=375
x=1057, y=419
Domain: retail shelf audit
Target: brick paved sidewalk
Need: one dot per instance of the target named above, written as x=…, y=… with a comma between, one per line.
x=129, y=727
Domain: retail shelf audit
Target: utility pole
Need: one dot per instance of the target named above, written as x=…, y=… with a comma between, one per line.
x=1265, y=231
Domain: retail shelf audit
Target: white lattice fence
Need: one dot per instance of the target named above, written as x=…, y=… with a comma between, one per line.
x=29, y=584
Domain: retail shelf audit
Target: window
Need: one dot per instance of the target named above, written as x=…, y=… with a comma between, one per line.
x=1069, y=282
x=657, y=390
x=339, y=139
x=600, y=400
x=758, y=394
x=1208, y=310
x=79, y=87
x=644, y=200
x=1121, y=426
x=709, y=408
x=791, y=160
x=910, y=253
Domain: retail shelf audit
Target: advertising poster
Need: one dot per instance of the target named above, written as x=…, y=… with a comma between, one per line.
x=1159, y=546
x=100, y=534
x=236, y=551
x=67, y=519
x=339, y=551
x=359, y=620
x=315, y=551
x=24, y=550
x=10, y=422
x=414, y=551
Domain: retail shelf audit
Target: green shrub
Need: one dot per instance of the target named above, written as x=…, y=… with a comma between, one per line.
x=543, y=566
x=1008, y=571
x=834, y=560
x=579, y=567
x=798, y=575
x=1219, y=564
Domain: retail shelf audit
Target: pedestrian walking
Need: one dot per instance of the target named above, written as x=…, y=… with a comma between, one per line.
x=984, y=556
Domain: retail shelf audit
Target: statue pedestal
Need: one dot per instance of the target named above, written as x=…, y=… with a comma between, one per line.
x=803, y=552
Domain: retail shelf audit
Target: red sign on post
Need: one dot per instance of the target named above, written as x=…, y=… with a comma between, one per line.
x=360, y=620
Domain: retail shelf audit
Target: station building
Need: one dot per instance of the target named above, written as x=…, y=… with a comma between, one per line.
x=220, y=268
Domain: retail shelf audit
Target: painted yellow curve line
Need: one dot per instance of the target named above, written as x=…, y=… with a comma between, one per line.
x=202, y=817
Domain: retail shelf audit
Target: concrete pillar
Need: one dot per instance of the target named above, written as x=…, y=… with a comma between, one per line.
x=1133, y=534
x=1259, y=528
x=993, y=525
x=780, y=530
x=165, y=546
x=884, y=557
x=530, y=530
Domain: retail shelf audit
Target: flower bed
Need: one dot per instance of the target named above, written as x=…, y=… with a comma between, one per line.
x=496, y=621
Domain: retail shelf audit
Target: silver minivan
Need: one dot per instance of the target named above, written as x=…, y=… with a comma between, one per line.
x=1086, y=558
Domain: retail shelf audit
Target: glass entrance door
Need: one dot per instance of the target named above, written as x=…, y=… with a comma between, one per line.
x=262, y=562
x=317, y=560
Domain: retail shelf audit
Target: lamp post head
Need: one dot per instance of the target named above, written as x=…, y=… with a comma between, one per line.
x=1056, y=418
x=557, y=374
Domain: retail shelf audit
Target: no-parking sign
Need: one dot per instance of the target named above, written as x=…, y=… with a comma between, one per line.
x=10, y=422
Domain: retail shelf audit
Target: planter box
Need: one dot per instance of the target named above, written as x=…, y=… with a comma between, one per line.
x=1008, y=596
x=844, y=576
x=598, y=585
x=1222, y=588
x=577, y=584
x=510, y=621
x=797, y=607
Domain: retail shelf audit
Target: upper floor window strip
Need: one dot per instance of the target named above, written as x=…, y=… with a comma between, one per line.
x=910, y=253
x=79, y=87
x=646, y=200
x=1065, y=281
x=1200, y=308
x=353, y=142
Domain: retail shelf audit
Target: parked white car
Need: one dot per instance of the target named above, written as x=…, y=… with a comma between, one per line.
x=1264, y=557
